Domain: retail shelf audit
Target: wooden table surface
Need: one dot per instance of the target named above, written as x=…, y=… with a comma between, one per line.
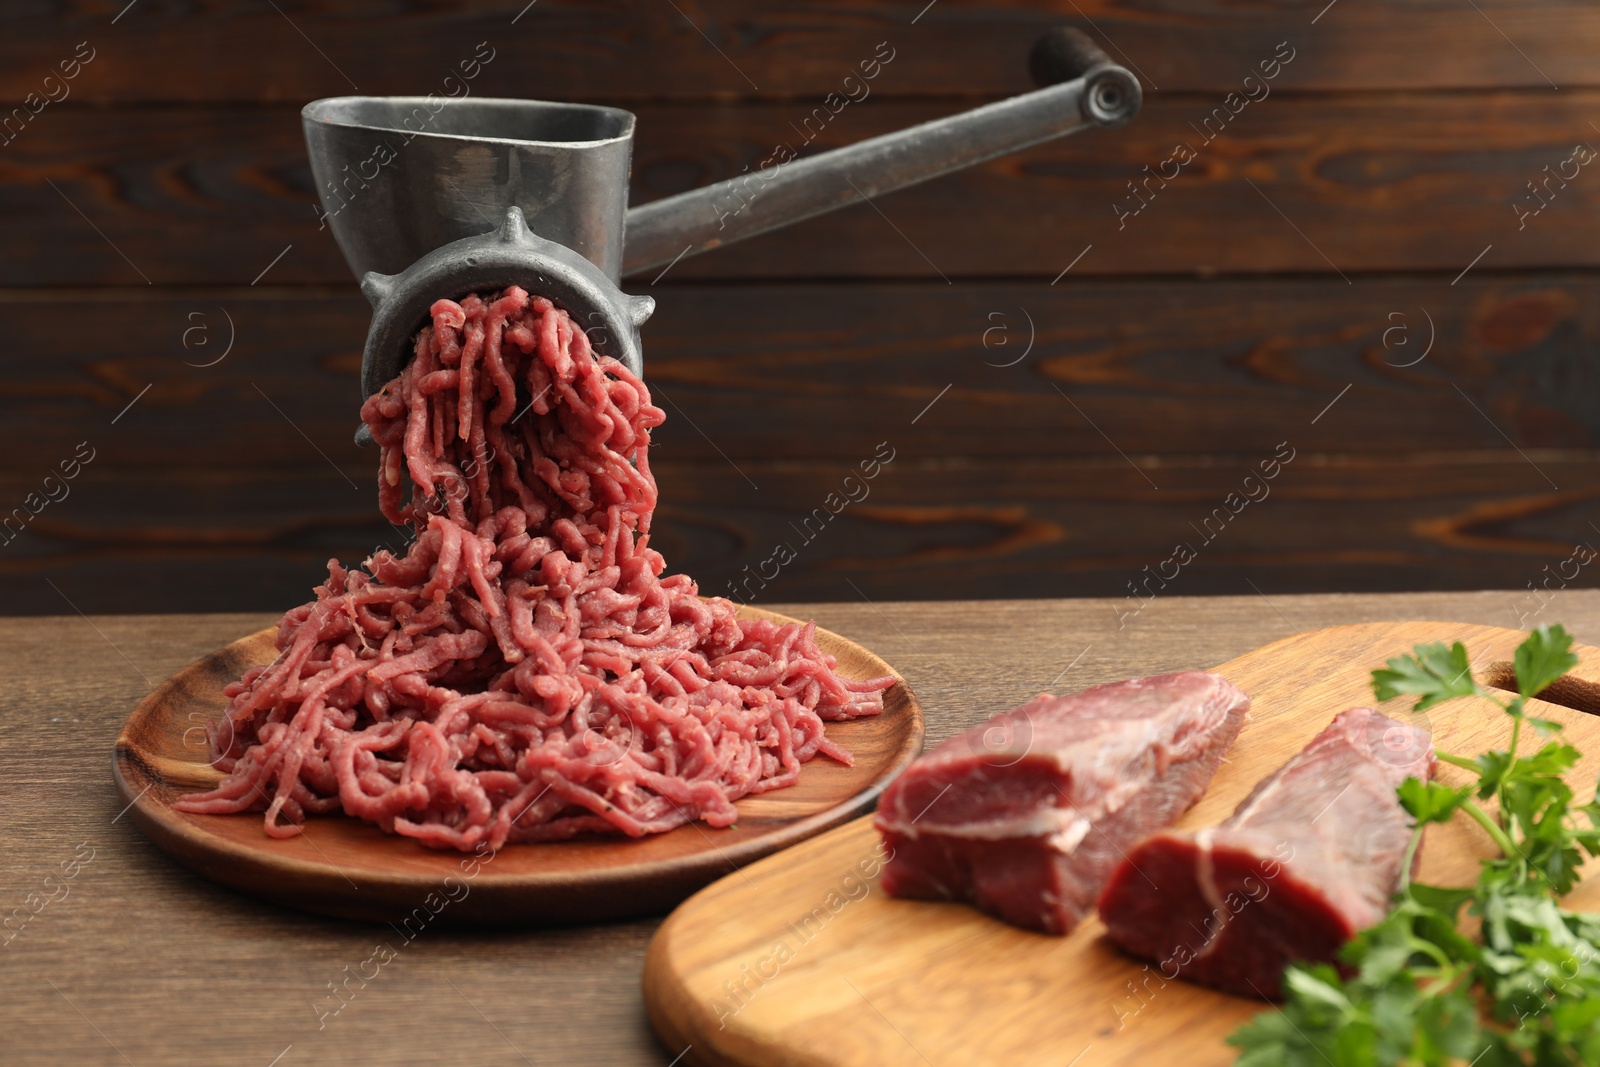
x=135, y=961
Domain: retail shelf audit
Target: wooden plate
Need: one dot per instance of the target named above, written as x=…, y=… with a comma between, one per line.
x=803, y=960
x=341, y=866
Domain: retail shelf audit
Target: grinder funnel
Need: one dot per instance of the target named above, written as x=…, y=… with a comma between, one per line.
x=399, y=176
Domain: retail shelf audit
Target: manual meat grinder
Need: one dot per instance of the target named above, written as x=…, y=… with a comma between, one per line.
x=486, y=193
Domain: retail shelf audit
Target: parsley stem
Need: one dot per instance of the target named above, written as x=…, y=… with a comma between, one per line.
x=1492, y=828
x=1409, y=859
x=1457, y=761
x=1510, y=768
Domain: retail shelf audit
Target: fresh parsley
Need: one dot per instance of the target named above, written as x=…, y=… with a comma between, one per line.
x=1417, y=989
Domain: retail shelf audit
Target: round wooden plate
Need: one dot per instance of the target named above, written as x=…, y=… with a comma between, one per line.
x=343, y=867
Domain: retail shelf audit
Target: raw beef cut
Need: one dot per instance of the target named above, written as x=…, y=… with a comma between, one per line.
x=1310, y=857
x=1024, y=815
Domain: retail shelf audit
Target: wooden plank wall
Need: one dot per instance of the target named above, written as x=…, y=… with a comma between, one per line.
x=1348, y=274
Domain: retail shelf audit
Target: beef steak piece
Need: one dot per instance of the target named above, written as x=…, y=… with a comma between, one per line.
x=1310, y=857
x=1024, y=815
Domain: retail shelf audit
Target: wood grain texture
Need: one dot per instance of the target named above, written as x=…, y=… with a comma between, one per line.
x=616, y=48
x=753, y=373
x=927, y=528
x=138, y=938
x=350, y=869
x=211, y=195
x=230, y=485
x=826, y=970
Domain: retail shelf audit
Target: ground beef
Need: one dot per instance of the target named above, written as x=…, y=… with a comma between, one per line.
x=522, y=672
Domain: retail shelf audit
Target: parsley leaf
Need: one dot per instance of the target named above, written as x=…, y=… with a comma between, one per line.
x=1431, y=801
x=1544, y=657
x=1434, y=674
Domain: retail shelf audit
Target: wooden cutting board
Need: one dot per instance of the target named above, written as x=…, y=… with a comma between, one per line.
x=802, y=959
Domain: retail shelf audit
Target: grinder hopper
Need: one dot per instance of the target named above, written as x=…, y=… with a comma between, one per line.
x=430, y=198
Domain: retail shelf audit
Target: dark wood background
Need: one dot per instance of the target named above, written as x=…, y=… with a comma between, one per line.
x=1308, y=257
